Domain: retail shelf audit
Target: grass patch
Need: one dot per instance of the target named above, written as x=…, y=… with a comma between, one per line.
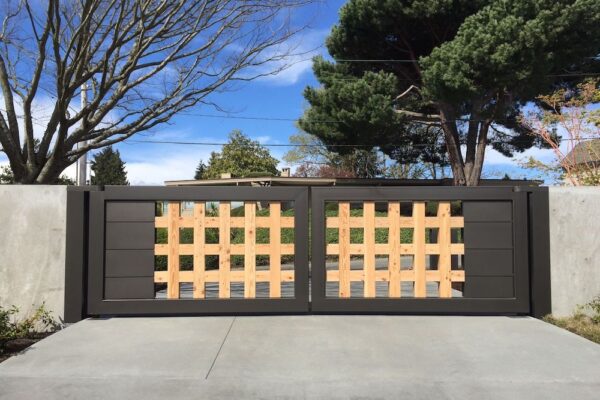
x=580, y=323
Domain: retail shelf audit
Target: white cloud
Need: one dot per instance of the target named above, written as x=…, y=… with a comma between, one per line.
x=302, y=49
x=262, y=139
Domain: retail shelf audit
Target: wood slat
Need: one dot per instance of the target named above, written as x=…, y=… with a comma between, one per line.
x=344, y=251
x=213, y=222
x=384, y=222
x=224, y=249
x=394, y=250
x=234, y=276
x=199, y=256
x=275, y=248
x=214, y=249
x=250, y=250
x=369, y=240
x=444, y=259
x=173, y=250
x=405, y=276
x=419, y=247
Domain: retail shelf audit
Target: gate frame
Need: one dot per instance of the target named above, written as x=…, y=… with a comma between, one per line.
x=98, y=305
x=520, y=304
x=79, y=227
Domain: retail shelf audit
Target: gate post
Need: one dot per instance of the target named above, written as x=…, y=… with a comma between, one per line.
x=76, y=253
x=539, y=250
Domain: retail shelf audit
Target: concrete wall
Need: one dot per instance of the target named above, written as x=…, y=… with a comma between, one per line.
x=32, y=247
x=574, y=247
x=33, y=229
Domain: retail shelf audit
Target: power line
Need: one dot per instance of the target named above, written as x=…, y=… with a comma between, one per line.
x=317, y=145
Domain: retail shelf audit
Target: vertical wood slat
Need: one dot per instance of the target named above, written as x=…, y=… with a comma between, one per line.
x=173, y=244
x=344, y=244
x=199, y=257
x=444, y=241
x=250, y=250
x=224, y=249
x=369, y=241
x=395, y=285
x=420, y=288
x=275, y=249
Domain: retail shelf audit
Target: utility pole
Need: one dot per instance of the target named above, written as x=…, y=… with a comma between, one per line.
x=82, y=162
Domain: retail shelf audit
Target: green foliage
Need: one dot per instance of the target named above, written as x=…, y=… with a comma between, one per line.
x=241, y=157
x=108, y=168
x=200, y=170
x=12, y=328
x=581, y=323
x=474, y=61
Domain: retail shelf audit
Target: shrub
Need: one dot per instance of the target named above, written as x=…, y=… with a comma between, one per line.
x=12, y=328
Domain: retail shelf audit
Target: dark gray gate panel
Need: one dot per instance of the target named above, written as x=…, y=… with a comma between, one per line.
x=490, y=262
x=129, y=263
x=496, y=264
x=496, y=256
x=129, y=235
x=129, y=254
x=121, y=251
x=130, y=211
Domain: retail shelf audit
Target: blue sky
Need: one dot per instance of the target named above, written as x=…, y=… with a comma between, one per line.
x=277, y=96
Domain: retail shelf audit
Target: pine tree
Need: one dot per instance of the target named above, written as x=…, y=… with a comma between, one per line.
x=108, y=168
x=200, y=170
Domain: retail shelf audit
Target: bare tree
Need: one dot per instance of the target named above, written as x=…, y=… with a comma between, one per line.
x=142, y=62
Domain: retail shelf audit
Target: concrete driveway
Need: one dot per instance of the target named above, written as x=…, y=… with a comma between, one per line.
x=313, y=357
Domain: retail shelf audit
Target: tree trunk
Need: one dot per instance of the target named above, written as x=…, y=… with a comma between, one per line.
x=453, y=145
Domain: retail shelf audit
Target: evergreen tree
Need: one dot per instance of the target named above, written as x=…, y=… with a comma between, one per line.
x=463, y=67
x=108, y=168
x=200, y=170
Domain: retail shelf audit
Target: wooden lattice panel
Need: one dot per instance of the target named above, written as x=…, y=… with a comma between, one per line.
x=419, y=249
x=224, y=276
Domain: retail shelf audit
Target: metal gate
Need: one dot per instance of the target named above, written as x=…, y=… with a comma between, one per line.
x=198, y=250
x=420, y=250
x=245, y=250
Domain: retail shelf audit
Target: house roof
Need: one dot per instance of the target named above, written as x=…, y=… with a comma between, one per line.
x=295, y=181
x=585, y=152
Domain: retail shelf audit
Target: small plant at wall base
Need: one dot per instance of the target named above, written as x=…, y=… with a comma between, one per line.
x=580, y=323
x=18, y=334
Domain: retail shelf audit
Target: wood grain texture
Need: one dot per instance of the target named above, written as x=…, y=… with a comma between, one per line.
x=344, y=249
x=173, y=250
x=419, y=248
x=275, y=248
x=445, y=259
x=250, y=250
x=369, y=240
x=224, y=249
x=199, y=255
x=395, y=250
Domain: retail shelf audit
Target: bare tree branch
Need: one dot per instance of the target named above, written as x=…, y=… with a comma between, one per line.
x=144, y=61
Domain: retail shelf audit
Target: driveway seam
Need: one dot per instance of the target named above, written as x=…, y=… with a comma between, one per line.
x=220, y=347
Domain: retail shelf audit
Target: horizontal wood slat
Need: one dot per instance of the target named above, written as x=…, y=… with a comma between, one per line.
x=234, y=276
x=384, y=222
x=213, y=249
x=442, y=249
x=213, y=222
x=224, y=275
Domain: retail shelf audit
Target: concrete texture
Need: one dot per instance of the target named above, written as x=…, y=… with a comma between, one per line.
x=32, y=249
x=307, y=357
x=574, y=247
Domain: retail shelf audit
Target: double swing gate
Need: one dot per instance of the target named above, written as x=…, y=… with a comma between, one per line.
x=229, y=250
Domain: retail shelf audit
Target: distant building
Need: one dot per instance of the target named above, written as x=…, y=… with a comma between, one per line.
x=584, y=159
